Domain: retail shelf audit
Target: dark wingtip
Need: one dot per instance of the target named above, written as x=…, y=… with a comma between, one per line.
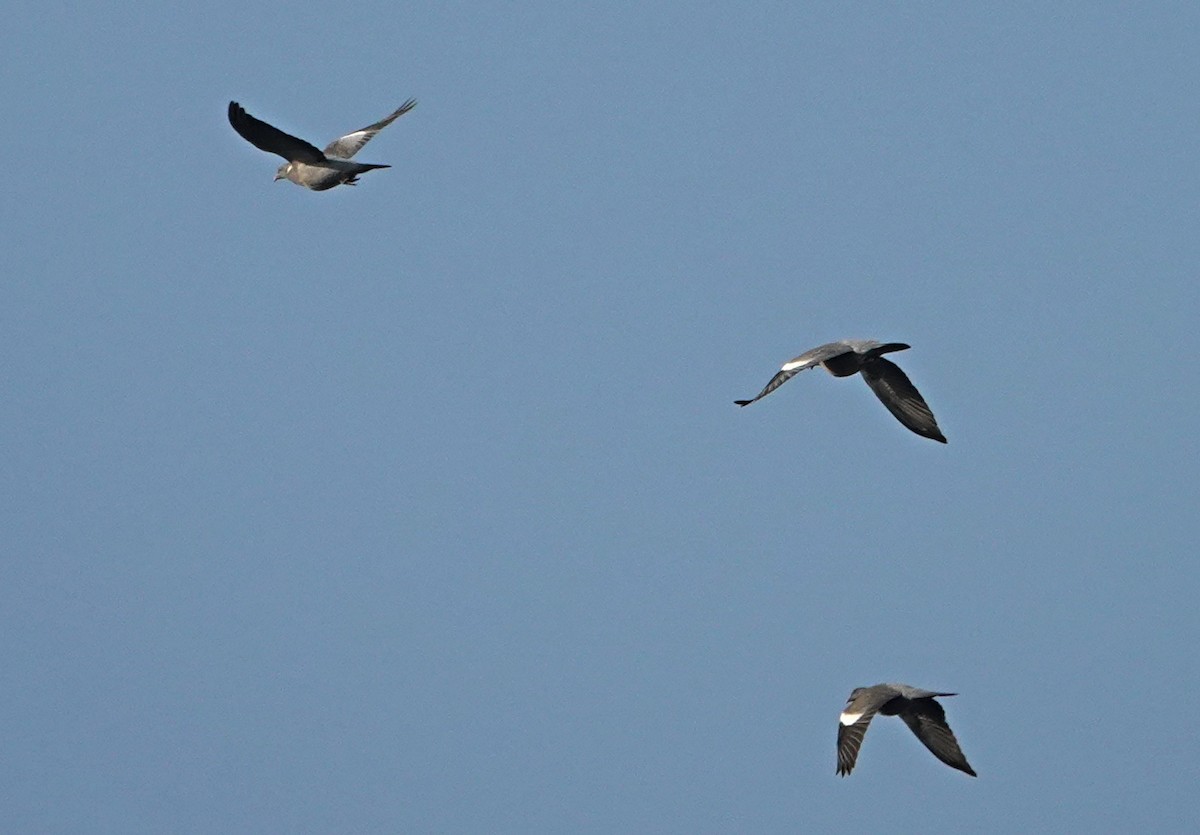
x=933, y=434
x=743, y=402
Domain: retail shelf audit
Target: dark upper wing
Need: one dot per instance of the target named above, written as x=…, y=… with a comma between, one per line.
x=347, y=146
x=794, y=366
x=271, y=139
x=778, y=380
x=901, y=397
x=849, y=740
x=927, y=720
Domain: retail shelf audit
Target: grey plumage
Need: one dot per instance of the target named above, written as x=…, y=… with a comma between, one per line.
x=924, y=717
x=307, y=165
x=865, y=356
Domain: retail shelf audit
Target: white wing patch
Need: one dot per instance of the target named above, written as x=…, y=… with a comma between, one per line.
x=848, y=719
x=354, y=138
x=795, y=365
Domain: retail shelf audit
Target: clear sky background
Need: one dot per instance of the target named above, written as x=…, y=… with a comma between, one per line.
x=424, y=506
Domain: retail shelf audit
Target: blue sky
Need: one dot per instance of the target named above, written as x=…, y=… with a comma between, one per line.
x=424, y=506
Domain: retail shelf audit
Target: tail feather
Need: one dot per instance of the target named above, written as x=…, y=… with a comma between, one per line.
x=887, y=349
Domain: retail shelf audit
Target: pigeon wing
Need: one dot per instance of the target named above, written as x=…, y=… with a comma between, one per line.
x=347, y=146
x=778, y=380
x=896, y=391
x=927, y=720
x=860, y=709
x=794, y=366
x=850, y=739
x=270, y=138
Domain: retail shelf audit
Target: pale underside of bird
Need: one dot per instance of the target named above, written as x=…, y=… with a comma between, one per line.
x=307, y=165
x=923, y=715
x=865, y=356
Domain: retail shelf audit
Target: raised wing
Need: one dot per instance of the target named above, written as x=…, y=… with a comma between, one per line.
x=927, y=720
x=901, y=397
x=271, y=139
x=794, y=366
x=347, y=146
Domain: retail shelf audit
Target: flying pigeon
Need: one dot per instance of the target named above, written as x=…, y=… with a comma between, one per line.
x=864, y=356
x=306, y=166
x=916, y=707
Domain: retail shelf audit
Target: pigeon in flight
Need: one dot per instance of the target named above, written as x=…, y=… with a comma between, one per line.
x=916, y=707
x=306, y=166
x=865, y=356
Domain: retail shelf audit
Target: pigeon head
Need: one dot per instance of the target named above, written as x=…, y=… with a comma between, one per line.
x=283, y=171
